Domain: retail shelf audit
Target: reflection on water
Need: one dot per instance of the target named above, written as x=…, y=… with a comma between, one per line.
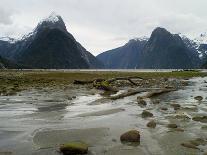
x=33, y=119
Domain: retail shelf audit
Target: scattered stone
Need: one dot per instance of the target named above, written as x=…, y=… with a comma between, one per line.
x=146, y=114
x=74, y=148
x=198, y=98
x=202, y=119
x=198, y=141
x=184, y=83
x=130, y=136
x=169, y=87
x=141, y=101
x=172, y=126
x=157, y=101
x=189, y=145
x=175, y=106
x=190, y=109
x=5, y=153
x=164, y=108
x=71, y=97
x=204, y=127
x=151, y=124
x=182, y=116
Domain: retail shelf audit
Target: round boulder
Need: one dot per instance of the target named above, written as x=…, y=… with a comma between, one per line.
x=74, y=148
x=151, y=124
x=175, y=106
x=172, y=126
x=198, y=98
x=130, y=136
x=141, y=101
x=146, y=114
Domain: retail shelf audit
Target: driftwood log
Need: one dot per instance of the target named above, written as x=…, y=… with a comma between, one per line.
x=104, y=84
x=157, y=93
x=108, y=80
x=151, y=94
x=126, y=94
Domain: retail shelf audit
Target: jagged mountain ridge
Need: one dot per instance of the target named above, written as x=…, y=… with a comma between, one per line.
x=124, y=57
x=6, y=64
x=49, y=46
x=166, y=51
x=162, y=51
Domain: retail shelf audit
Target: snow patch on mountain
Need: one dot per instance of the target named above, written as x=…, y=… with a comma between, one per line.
x=200, y=42
x=202, y=39
x=144, y=38
x=8, y=39
x=53, y=18
x=197, y=44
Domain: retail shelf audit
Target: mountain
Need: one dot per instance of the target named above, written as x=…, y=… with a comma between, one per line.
x=162, y=50
x=49, y=46
x=124, y=57
x=201, y=45
x=6, y=64
x=198, y=44
x=204, y=65
x=167, y=51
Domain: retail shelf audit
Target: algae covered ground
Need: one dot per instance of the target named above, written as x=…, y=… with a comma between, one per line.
x=16, y=80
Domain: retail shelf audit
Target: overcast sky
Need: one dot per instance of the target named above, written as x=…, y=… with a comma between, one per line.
x=101, y=25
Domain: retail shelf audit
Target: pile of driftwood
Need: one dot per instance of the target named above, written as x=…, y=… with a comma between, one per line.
x=106, y=85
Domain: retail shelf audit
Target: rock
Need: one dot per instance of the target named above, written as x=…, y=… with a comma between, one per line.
x=151, y=124
x=71, y=98
x=204, y=127
x=202, y=119
x=5, y=153
x=190, y=109
x=157, y=101
x=141, y=101
x=189, y=145
x=198, y=141
x=146, y=114
x=175, y=106
x=164, y=108
x=198, y=98
x=130, y=136
x=74, y=148
x=182, y=116
x=184, y=83
x=172, y=126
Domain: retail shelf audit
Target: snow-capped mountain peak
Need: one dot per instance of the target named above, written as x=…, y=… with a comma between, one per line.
x=144, y=38
x=52, y=21
x=53, y=17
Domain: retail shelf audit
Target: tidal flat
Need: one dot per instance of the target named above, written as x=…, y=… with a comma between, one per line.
x=41, y=110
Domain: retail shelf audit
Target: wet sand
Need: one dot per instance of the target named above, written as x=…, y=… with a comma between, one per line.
x=37, y=121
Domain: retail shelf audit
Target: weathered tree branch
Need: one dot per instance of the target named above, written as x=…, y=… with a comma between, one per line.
x=126, y=94
x=109, y=80
x=157, y=93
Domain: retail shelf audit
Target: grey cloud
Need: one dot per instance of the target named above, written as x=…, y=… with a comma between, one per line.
x=103, y=24
x=5, y=17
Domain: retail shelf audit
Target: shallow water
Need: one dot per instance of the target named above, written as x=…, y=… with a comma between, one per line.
x=38, y=121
